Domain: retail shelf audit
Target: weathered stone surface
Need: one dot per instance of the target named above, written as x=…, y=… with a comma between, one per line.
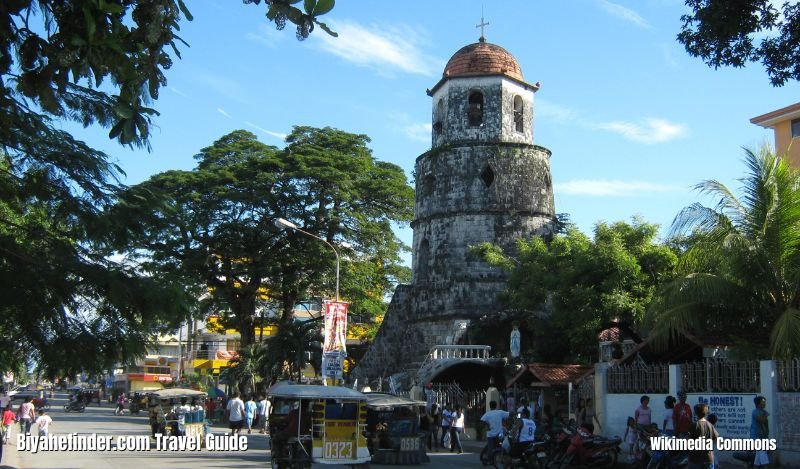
x=483, y=180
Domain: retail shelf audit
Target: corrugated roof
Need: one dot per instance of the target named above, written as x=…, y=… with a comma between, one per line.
x=553, y=374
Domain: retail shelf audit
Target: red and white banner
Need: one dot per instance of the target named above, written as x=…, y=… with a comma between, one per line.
x=335, y=330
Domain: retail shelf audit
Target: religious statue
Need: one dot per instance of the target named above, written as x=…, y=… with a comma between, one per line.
x=515, y=341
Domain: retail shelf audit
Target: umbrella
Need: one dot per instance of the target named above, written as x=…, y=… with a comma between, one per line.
x=216, y=392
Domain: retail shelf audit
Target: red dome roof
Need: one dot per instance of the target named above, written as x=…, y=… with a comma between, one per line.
x=482, y=58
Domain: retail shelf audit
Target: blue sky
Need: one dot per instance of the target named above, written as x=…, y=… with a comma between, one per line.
x=632, y=121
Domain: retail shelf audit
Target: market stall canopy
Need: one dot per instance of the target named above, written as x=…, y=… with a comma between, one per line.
x=545, y=375
x=383, y=400
x=175, y=393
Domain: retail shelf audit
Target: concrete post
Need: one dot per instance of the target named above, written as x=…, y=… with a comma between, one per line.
x=769, y=389
x=674, y=380
x=600, y=396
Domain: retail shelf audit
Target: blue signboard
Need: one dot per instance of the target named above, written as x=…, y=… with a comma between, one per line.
x=734, y=412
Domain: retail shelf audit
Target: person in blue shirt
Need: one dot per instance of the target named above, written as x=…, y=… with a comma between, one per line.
x=759, y=428
x=249, y=413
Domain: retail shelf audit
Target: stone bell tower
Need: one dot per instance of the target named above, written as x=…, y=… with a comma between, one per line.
x=483, y=180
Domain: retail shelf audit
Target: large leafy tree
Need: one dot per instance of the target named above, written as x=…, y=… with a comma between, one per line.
x=740, y=272
x=734, y=33
x=214, y=226
x=66, y=305
x=576, y=285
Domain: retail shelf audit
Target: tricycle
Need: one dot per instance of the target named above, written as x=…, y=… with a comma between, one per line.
x=317, y=424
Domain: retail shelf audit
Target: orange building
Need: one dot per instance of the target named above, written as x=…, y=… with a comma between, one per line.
x=786, y=124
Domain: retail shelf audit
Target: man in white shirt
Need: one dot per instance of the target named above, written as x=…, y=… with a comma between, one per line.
x=235, y=414
x=523, y=433
x=494, y=420
x=264, y=407
x=447, y=416
x=181, y=411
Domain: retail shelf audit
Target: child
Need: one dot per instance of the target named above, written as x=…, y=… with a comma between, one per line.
x=630, y=437
x=44, y=422
x=9, y=417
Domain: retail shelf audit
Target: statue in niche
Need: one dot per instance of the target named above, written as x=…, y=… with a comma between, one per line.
x=515, y=339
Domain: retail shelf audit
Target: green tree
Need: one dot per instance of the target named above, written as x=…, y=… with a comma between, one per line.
x=577, y=284
x=213, y=226
x=66, y=304
x=740, y=273
x=727, y=33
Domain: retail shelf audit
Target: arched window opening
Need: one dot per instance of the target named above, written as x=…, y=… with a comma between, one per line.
x=475, y=109
x=439, y=117
x=519, y=116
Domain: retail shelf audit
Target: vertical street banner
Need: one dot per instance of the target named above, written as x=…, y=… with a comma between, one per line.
x=334, y=346
x=335, y=333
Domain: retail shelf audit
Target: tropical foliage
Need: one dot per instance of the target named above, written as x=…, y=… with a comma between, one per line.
x=726, y=33
x=574, y=286
x=214, y=226
x=67, y=305
x=740, y=272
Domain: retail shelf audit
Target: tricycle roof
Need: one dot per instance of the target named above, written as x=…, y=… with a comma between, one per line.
x=289, y=390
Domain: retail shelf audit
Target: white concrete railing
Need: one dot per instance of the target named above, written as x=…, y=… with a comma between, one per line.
x=463, y=352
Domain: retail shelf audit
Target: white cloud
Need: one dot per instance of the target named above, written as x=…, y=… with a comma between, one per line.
x=278, y=135
x=612, y=188
x=624, y=13
x=222, y=111
x=553, y=112
x=420, y=132
x=382, y=48
x=651, y=131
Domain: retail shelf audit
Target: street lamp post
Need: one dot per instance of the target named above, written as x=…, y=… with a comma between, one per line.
x=283, y=223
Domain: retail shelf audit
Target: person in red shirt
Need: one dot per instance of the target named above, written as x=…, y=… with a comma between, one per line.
x=9, y=417
x=682, y=415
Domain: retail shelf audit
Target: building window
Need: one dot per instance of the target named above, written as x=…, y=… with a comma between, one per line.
x=519, y=117
x=475, y=109
x=427, y=185
x=487, y=176
x=796, y=128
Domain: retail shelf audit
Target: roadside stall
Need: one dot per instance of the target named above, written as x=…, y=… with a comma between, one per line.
x=169, y=400
x=393, y=432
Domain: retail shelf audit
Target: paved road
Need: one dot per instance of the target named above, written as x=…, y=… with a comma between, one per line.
x=102, y=421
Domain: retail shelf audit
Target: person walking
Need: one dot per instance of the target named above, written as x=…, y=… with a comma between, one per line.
x=447, y=416
x=436, y=424
x=235, y=409
x=702, y=459
x=250, y=413
x=8, y=418
x=456, y=429
x=493, y=419
x=669, y=422
x=759, y=428
x=26, y=415
x=43, y=422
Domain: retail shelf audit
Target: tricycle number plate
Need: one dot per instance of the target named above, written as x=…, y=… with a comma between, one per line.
x=541, y=454
x=338, y=450
x=409, y=444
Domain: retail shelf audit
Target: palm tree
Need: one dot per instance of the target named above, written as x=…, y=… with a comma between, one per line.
x=285, y=353
x=741, y=264
x=244, y=368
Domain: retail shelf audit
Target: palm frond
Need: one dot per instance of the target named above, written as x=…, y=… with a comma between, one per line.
x=785, y=337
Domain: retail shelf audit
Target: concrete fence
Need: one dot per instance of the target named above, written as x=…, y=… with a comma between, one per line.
x=733, y=409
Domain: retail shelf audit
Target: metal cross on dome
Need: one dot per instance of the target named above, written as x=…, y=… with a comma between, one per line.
x=482, y=26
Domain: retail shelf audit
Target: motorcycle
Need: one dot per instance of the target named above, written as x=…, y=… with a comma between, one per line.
x=665, y=459
x=75, y=406
x=587, y=450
